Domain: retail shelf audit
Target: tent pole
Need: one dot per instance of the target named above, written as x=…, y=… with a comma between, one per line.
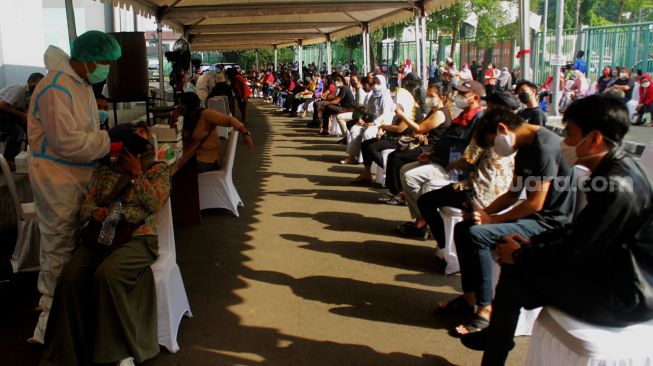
x=418, y=48
x=525, y=35
x=276, y=59
x=70, y=18
x=555, y=82
x=329, y=55
x=159, y=33
x=300, y=50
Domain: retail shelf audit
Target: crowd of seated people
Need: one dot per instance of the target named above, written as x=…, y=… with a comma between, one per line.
x=493, y=158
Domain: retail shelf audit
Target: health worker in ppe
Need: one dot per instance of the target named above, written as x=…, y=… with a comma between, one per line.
x=65, y=137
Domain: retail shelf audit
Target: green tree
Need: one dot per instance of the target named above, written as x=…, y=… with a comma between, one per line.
x=448, y=22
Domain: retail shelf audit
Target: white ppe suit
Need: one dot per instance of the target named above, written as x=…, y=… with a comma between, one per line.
x=205, y=84
x=64, y=136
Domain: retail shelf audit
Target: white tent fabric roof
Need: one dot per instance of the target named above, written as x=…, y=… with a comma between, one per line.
x=249, y=24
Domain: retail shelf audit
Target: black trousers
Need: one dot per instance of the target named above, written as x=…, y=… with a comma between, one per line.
x=430, y=202
x=11, y=127
x=371, y=150
x=328, y=111
x=316, y=111
x=396, y=160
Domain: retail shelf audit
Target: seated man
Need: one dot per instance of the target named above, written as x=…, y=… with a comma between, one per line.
x=104, y=307
x=430, y=171
x=598, y=269
x=361, y=90
x=14, y=102
x=527, y=93
x=343, y=102
x=540, y=168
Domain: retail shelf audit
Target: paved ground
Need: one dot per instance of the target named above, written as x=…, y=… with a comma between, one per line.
x=310, y=274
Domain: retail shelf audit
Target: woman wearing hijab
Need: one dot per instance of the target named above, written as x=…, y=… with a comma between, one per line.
x=104, y=307
x=378, y=111
x=504, y=80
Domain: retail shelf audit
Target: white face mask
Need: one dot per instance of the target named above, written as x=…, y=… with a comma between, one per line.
x=377, y=87
x=504, y=145
x=431, y=102
x=460, y=101
x=569, y=152
x=646, y=84
x=338, y=84
x=623, y=75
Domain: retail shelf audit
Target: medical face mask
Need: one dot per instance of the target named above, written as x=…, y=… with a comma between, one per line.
x=338, y=84
x=99, y=74
x=104, y=116
x=460, y=101
x=646, y=84
x=623, y=75
x=431, y=102
x=504, y=145
x=524, y=97
x=377, y=88
x=569, y=152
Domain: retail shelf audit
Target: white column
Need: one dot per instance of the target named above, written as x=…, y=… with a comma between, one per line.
x=525, y=38
x=555, y=82
x=418, y=48
x=425, y=60
x=276, y=54
x=366, y=47
x=300, y=51
x=70, y=18
x=108, y=18
x=162, y=89
x=329, y=55
x=135, y=19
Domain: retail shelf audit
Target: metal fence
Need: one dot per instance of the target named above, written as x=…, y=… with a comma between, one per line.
x=628, y=45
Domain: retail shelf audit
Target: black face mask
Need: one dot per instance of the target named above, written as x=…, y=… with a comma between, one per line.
x=524, y=97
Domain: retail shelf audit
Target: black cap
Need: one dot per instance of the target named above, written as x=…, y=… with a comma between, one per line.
x=503, y=98
x=471, y=86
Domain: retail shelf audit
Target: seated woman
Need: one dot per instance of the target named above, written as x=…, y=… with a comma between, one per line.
x=424, y=134
x=200, y=125
x=104, y=307
x=407, y=104
x=378, y=112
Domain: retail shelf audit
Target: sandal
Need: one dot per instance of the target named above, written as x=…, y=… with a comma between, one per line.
x=458, y=306
x=348, y=160
x=476, y=324
x=361, y=181
x=478, y=341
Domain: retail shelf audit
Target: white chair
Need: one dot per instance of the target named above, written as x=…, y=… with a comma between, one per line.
x=220, y=103
x=216, y=188
x=26, y=253
x=450, y=216
x=560, y=339
x=172, y=302
x=380, y=172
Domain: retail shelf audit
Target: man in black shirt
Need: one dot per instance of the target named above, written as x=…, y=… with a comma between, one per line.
x=539, y=169
x=344, y=102
x=598, y=269
x=623, y=83
x=527, y=94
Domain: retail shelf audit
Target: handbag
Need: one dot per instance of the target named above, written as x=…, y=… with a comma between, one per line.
x=406, y=143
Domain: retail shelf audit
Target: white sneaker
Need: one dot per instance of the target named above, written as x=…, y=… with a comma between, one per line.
x=39, y=331
x=129, y=361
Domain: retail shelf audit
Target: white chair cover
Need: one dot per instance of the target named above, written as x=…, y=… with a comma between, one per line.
x=172, y=302
x=216, y=188
x=559, y=339
x=450, y=216
x=380, y=172
x=27, y=250
x=220, y=103
x=334, y=127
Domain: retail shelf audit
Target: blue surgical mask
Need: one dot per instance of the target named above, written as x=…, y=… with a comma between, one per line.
x=104, y=116
x=99, y=74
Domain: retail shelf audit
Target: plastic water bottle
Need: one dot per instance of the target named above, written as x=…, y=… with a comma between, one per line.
x=109, y=224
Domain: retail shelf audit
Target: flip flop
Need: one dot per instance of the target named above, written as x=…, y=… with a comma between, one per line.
x=476, y=324
x=458, y=306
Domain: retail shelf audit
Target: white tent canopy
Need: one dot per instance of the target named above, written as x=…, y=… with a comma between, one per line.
x=251, y=24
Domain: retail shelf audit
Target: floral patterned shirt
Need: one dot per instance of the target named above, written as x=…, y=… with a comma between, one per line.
x=140, y=202
x=491, y=175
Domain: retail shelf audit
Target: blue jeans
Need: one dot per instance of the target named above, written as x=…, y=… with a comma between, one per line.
x=474, y=245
